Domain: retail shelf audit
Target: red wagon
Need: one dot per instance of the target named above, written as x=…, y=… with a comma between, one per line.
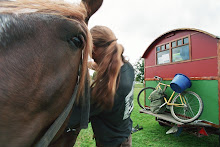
x=194, y=53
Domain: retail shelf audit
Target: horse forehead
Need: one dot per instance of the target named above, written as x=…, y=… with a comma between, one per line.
x=14, y=28
x=18, y=27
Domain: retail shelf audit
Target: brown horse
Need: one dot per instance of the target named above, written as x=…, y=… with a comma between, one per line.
x=41, y=46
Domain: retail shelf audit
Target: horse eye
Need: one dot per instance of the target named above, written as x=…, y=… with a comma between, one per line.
x=76, y=41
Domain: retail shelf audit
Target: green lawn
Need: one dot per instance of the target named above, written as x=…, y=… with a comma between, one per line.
x=152, y=134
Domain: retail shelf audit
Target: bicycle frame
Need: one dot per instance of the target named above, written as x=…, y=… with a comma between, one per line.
x=168, y=102
x=184, y=107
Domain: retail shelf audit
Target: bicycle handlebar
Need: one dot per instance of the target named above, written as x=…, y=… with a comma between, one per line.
x=158, y=78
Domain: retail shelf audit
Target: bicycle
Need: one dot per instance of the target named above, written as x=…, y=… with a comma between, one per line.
x=185, y=107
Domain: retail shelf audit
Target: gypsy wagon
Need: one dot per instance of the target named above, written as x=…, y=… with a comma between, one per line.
x=196, y=54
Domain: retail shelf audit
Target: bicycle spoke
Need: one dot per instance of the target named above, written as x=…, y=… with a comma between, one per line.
x=192, y=107
x=188, y=106
x=143, y=95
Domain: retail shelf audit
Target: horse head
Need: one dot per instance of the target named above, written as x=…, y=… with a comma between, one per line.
x=41, y=49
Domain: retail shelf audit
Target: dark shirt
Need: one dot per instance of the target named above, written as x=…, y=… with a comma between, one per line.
x=111, y=128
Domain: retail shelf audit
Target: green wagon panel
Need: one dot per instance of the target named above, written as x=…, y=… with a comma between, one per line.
x=207, y=90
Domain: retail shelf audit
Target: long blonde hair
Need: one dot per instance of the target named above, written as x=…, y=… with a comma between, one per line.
x=108, y=59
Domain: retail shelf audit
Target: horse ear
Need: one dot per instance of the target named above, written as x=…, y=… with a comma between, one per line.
x=92, y=6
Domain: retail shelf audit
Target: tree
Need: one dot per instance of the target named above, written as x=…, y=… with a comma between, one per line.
x=139, y=70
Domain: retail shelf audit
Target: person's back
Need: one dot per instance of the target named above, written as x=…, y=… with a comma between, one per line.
x=116, y=122
x=113, y=104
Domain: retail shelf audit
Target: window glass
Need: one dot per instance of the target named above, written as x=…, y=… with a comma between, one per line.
x=185, y=40
x=179, y=42
x=180, y=53
x=167, y=46
x=158, y=49
x=163, y=57
x=163, y=47
x=174, y=44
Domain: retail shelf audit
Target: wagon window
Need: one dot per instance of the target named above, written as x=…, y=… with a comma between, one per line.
x=167, y=46
x=180, y=53
x=173, y=51
x=185, y=40
x=179, y=42
x=163, y=57
x=158, y=49
x=174, y=44
x=162, y=47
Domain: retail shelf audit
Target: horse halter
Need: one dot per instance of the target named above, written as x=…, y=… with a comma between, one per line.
x=54, y=128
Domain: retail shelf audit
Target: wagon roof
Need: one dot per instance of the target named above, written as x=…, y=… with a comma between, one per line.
x=179, y=29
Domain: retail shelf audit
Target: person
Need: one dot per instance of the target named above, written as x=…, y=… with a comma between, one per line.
x=111, y=91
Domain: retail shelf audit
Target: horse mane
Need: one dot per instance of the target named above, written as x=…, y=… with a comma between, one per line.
x=57, y=7
x=60, y=8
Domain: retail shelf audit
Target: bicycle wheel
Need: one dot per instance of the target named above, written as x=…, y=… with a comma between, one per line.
x=190, y=111
x=143, y=96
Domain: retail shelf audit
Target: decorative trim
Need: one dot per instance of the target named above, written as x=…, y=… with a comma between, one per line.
x=184, y=61
x=213, y=125
x=191, y=78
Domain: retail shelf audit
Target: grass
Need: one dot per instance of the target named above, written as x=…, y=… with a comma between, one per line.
x=152, y=135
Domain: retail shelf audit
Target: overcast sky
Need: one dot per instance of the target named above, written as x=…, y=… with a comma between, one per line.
x=137, y=23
